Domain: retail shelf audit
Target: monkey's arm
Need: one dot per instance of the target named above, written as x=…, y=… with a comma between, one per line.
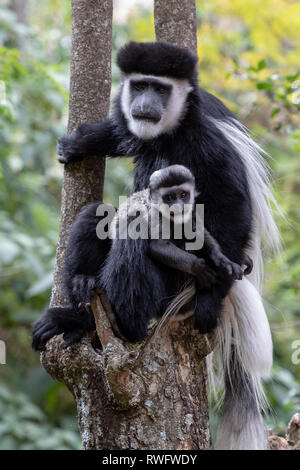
x=99, y=138
x=169, y=254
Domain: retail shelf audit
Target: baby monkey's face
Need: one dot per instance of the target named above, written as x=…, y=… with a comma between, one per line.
x=177, y=195
x=176, y=202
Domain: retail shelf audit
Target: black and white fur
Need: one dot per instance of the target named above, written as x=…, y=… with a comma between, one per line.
x=163, y=264
x=232, y=178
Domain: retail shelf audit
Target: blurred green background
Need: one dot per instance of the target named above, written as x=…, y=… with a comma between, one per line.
x=249, y=57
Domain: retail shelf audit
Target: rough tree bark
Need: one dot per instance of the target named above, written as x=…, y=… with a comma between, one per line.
x=90, y=83
x=175, y=21
x=146, y=396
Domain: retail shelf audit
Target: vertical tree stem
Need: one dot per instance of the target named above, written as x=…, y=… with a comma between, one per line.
x=90, y=83
x=175, y=21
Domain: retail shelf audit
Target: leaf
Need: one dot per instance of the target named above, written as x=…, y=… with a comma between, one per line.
x=275, y=111
x=264, y=86
x=292, y=78
x=261, y=65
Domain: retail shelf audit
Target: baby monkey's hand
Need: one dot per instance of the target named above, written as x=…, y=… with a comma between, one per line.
x=205, y=275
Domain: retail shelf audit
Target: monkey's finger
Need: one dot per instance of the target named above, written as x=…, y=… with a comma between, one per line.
x=248, y=270
x=249, y=265
x=237, y=272
x=59, y=148
x=40, y=340
x=229, y=269
x=240, y=275
x=72, y=337
x=41, y=328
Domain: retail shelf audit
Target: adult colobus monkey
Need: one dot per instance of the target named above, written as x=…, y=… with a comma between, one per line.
x=162, y=117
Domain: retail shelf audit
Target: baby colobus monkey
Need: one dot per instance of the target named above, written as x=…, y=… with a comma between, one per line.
x=172, y=190
x=163, y=265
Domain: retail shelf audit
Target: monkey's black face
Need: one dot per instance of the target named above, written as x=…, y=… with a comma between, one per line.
x=149, y=99
x=153, y=105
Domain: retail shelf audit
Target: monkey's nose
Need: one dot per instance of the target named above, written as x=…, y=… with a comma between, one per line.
x=146, y=113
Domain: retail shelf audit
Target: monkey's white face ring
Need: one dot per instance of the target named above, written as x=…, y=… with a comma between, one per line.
x=172, y=114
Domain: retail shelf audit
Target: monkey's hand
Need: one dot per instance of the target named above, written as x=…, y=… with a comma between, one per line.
x=70, y=148
x=205, y=276
x=234, y=270
x=68, y=321
x=92, y=138
x=82, y=290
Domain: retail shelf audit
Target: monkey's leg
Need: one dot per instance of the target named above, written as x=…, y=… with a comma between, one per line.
x=83, y=261
x=208, y=306
x=169, y=254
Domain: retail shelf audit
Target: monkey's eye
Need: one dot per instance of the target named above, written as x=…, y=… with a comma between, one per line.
x=168, y=198
x=160, y=89
x=183, y=195
x=138, y=86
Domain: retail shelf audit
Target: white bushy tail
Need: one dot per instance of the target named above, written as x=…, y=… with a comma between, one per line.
x=245, y=343
x=243, y=333
x=265, y=234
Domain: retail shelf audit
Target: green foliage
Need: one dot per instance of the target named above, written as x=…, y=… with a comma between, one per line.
x=281, y=93
x=32, y=101
x=24, y=426
x=284, y=395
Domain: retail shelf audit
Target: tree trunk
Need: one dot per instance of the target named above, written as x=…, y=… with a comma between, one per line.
x=175, y=21
x=90, y=83
x=146, y=396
